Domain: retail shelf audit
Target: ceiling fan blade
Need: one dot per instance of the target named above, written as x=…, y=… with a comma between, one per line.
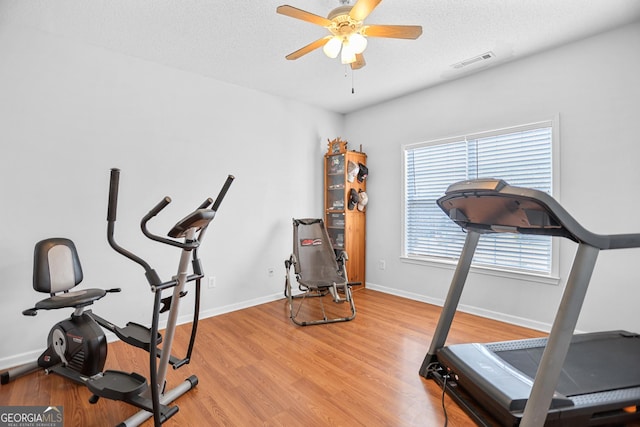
x=303, y=15
x=308, y=48
x=359, y=63
x=392, y=31
x=362, y=9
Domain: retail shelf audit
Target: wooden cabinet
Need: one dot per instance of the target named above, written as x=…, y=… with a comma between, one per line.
x=345, y=201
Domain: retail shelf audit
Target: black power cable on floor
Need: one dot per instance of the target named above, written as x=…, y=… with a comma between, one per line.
x=444, y=409
x=433, y=369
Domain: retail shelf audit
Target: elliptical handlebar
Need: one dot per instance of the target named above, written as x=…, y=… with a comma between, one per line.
x=206, y=203
x=199, y=218
x=153, y=212
x=216, y=204
x=157, y=208
x=113, y=194
x=223, y=192
x=114, y=183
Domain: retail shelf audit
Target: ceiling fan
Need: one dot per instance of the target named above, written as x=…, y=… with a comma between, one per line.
x=348, y=31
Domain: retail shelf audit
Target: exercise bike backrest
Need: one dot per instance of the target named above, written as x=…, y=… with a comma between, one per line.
x=56, y=266
x=57, y=270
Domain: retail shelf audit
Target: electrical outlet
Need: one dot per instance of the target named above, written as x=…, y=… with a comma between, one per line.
x=382, y=264
x=212, y=282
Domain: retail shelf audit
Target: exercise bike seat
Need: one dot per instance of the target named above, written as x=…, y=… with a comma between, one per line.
x=71, y=299
x=56, y=270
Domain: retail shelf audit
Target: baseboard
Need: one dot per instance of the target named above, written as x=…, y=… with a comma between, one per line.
x=235, y=307
x=21, y=359
x=478, y=311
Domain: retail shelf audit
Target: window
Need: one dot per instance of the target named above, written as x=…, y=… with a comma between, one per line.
x=521, y=156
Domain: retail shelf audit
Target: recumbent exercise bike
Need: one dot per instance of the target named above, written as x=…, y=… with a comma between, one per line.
x=77, y=347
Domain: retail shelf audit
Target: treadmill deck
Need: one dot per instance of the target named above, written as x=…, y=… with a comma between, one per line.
x=601, y=371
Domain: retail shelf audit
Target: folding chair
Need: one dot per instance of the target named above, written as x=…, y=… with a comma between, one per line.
x=318, y=272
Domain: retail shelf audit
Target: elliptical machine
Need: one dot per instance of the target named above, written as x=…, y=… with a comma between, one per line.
x=77, y=347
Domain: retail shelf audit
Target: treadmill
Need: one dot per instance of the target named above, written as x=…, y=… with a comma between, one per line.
x=561, y=380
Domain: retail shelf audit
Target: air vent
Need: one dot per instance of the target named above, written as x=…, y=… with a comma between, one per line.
x=475, y=59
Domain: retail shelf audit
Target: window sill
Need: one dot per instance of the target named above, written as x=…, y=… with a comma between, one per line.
x=484, y=270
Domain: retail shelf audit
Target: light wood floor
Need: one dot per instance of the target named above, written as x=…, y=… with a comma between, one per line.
x=256, y=368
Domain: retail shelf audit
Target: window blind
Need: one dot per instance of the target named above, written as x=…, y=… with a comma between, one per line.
x=521, y=156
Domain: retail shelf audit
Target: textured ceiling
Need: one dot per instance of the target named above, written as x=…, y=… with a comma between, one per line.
x=245, y=42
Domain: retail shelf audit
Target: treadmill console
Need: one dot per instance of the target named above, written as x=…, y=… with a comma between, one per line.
x=477, y=184
x=494, y=206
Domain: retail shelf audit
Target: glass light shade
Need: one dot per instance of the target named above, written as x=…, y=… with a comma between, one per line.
x=332, y=47
x=357, y=42
x=348, y=55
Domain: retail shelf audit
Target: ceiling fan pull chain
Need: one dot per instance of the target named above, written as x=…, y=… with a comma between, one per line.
x=346, y=71
x=353, y=91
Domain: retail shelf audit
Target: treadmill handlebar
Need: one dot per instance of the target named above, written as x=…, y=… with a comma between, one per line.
x=624, y=241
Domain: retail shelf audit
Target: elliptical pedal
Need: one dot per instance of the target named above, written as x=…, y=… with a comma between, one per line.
x=137, y=335
x=127, y=387
x=117, y=385
x=133, y=333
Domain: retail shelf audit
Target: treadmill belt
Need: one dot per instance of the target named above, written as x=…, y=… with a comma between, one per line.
x=607, y=361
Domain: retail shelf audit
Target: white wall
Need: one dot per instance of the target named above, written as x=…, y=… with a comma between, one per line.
x=593, y=86
x=69, y=112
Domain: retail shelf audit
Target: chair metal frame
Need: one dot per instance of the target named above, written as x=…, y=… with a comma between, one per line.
x=334, y=283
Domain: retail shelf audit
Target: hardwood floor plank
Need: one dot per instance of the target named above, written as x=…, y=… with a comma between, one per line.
x=255, y=367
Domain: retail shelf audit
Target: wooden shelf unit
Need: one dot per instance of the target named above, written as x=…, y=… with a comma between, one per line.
x=345, y=222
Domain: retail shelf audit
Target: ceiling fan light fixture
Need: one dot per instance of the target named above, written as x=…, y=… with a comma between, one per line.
x=348, y=55
x=357, y=42
x=332, y=47
x=347, y=30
